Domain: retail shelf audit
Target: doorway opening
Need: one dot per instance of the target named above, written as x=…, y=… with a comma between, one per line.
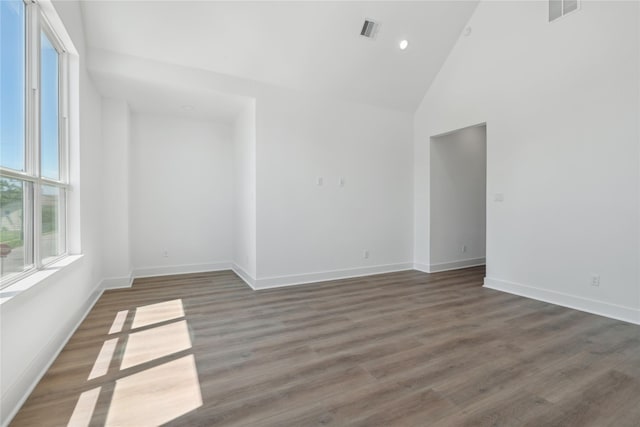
x=458, y=208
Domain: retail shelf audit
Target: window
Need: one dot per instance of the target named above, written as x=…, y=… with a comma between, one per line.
x=33, y=142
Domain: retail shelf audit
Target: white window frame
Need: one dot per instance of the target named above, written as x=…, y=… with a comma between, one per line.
x=35, y=23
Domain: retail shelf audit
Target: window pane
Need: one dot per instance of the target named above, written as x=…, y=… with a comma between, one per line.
x=52, y=239
x=12, y=84
x=49, y=165
x=12, y=226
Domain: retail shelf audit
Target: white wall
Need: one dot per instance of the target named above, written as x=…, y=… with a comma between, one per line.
x=561, y=105
x=458, y=199
x=116, y=157
x=36, y=323
x=244, y=257
x=181, y=195
x=308, y=232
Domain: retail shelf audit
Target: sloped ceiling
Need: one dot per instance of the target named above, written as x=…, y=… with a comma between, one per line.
x=308, y=46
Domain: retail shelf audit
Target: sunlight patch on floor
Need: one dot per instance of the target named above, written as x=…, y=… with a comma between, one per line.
x=118, y=322
x=156, y=395
x=167, y=389
x=151, y=344
x=83, y=411
x=101, y=365
x=156, y=313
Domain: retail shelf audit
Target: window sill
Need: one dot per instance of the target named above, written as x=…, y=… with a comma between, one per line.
x=33, y=280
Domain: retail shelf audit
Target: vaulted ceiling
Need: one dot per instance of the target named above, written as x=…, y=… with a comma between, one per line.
x=308, y=46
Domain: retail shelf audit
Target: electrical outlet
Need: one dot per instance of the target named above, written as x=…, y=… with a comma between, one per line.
x=319, y=181
x=595, y=280
x=464, y=248
x=165, y=253
x=365, y=254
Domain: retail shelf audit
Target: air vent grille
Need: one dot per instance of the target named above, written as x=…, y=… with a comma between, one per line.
x=559, y=8
x=369, y=29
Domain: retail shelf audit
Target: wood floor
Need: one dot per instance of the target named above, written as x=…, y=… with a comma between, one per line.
x=405, y=349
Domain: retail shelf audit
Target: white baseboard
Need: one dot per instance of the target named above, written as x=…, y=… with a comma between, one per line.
x=181, y=269
x=246, y=277
x=301, y=279
x=446, y=266
x=45, y=358
x=618, y=312
x=117, y=282
x=456, y=265
x=421, y=267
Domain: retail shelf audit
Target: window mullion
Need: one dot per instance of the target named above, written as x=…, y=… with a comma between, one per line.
x=32, y=96
x=64, y=152
x=62, y=223
x=37, y=223
x=54, y=183
x=37, y=144
x=29, y=237
x=33, y=140
x=9, y=173
x=64, y=118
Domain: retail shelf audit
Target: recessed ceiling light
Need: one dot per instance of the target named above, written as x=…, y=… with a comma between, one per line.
x=187, y=107
x=404, y=44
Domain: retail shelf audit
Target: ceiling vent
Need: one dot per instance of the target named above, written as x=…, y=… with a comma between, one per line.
x=560, y=8
x=369, y=29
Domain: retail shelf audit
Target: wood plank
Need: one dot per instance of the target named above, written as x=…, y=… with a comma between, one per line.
x=396, y=349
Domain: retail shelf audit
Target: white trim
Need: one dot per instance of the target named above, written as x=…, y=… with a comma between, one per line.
x=181, y=269
x=448, y=266
x=456, y=265
x=301, y=279
x=117, y=282
x=246, y=277
x=57, y=26
x=48, y=357
x=618, y=312
x=421, y=267
x=37, y=277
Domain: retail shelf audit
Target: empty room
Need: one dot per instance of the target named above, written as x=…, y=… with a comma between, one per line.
x=299, y=213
